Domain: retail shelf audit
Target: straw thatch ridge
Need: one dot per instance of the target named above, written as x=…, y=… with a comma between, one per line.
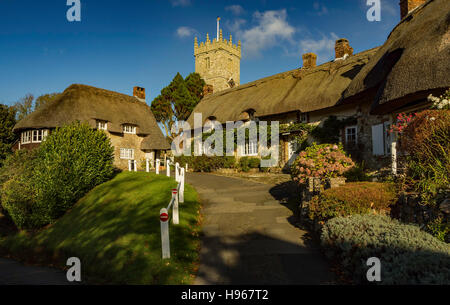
x=413, y=62
x=89, y=104
x=302, y=90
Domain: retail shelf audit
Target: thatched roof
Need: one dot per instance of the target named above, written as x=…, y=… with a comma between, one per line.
x=88, y=104
x=413, y=62
x=297, y=90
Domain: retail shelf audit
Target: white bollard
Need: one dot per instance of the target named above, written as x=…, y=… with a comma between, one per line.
x=157, y=166
x=129, y=165
x=175, y=217
x=165, y=243
x=167, y=167
x=181, y=195
x=177, y=174
x=135, y=165
x=186, y=167
x=147, y=165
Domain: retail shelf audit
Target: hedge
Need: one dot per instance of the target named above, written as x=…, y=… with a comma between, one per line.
x=352, y=198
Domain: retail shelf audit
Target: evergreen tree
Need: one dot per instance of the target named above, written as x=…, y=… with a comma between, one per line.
x=177, y=101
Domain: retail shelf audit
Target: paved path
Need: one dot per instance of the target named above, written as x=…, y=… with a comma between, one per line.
x=14, y=273
x=249, y=237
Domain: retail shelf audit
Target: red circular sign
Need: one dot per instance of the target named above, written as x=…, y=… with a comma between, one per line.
x=164, y=217
x=174, y=191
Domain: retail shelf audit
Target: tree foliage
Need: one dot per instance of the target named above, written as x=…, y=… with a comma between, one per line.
x=39, y=186
x=177, y=101
x=7, y=136
x=24, y=106
x=44, y=99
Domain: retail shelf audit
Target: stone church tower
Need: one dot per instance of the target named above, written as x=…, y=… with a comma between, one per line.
x=218, y=62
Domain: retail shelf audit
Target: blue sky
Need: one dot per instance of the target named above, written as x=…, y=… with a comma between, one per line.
x=119, y=44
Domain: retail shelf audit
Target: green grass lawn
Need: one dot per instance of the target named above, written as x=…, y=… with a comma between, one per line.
x=115, y=231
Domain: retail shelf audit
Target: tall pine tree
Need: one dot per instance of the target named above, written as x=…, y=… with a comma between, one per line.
x=177, y=101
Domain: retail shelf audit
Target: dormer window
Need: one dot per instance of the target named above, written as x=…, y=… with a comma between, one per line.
x=102, y=125
x=129, y=129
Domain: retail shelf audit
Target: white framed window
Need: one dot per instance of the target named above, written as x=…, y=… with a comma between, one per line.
x=26, y=137
x=33, y=136
x=129, y=129
x=250, y=148
x=102, y=125
x=127, y=153
x=351, y=136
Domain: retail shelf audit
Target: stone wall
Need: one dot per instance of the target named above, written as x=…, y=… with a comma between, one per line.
x=126, y=140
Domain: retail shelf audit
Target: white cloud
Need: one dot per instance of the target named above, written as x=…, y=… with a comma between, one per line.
x=235, y=9
x=323, y=47
x=271, y=28
x=320, y=9
x=180, y=2
x=185, y=31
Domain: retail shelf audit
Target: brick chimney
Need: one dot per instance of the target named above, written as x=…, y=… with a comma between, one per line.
x=343, y=47
x=309, y=60
x=406, y=6
x=139, y=93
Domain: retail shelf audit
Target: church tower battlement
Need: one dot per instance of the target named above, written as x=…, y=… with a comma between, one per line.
x=218, y=61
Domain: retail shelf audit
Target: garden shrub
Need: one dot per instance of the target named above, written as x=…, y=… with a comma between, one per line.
x=320, y=161
x=426, y=141
x=17, y=189
x=72, y=160
x=352, y=198
x=247, y=163
x=357, y=174
x=408, y=255
x=206, y=164
x=40, y=186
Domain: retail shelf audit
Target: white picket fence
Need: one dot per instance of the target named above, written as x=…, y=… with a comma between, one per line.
x=177, y=197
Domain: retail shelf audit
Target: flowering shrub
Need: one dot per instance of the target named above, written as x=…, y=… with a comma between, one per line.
x=321, y=161
x=402, y=121
x=426, y=140
x=442, y=102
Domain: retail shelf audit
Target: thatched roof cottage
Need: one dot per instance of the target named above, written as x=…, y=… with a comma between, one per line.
x=369, y=86
x=309, y=95
x=127, y=120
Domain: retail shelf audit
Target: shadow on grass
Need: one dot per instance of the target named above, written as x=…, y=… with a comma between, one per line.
x=115, y=231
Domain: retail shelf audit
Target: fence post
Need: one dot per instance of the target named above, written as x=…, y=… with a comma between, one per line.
x=157, y=166
x=175, y=216
x=177, y=174
x=181, y=195
x=165, y=243
x=147, y=165
x=135, y=165
x=167, y=167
